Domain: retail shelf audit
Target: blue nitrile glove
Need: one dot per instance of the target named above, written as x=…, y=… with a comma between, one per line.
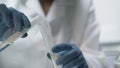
x=69, y=56
x=11, y=21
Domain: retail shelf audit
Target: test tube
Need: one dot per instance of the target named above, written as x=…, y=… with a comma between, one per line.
x=48, y=38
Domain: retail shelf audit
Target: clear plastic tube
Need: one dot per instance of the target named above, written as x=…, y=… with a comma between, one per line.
x=47, y=35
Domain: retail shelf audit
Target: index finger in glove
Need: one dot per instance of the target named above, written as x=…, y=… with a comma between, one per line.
x=5, y=13
x=61, y=47
x=77, y=63
x=66, y=58
x=17, y=19
x=26, y=22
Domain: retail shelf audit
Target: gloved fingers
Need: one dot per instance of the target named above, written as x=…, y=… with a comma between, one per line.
x=66, y=58
x=17, y=20
x=76, y=63
x=8, y=32
x=3, y=28
x=5, y=15
x=83, y=65
x=61, y=47
x=26, y=22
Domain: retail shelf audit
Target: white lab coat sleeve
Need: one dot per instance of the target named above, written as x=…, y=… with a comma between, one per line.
x=90, y=42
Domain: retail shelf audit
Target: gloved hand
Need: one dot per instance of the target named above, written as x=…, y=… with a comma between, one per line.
x=69, y=56
x=11, y=21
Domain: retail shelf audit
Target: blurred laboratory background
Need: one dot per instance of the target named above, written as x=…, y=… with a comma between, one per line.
x=108, y=14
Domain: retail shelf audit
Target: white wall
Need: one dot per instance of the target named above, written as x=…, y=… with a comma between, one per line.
x=108, y=14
